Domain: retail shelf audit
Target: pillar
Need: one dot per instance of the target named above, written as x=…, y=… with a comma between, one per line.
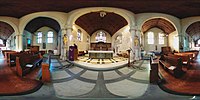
x=59, y=42
x=19, y=42
x=132, y=52
x=136, y=36
x=65, y=47
x=63, y=31
x=70, y=39
x=138, y=33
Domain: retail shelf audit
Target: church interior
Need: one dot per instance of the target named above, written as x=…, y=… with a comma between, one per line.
x=108, y=49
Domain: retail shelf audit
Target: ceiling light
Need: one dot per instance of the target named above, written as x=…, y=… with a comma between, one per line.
x=102, y=13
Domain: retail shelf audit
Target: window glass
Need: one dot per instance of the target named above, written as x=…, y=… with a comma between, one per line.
x=50, y=37
x=101, y=37
x=161, y=38
x=39, y=37
x=150, y=38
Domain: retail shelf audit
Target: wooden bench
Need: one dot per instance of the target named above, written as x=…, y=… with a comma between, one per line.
x=26, y=63
x=193, y=54
x=4, y=51
x=186, y=59
x=154, y=77
x=12, y=57
x=172, y=64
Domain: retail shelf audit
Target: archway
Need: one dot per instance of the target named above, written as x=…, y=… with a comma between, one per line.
x=158, y=32
x=193, y=31
x=42, y=32
x=6, y=31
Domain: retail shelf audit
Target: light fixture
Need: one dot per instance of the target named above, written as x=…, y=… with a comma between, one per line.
x=102, y=13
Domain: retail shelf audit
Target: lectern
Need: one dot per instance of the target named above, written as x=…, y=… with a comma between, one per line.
x=73, y=53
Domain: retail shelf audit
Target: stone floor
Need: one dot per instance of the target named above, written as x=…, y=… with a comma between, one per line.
x=73, y=82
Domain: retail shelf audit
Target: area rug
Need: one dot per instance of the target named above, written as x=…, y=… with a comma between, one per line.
x=11, y=84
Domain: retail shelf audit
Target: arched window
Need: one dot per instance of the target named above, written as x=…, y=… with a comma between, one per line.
x=50, y=37
x=150, y=36
x=39, y=37
x=1, y=41
x=101, y=37
x=161, y=38
x=79, y=35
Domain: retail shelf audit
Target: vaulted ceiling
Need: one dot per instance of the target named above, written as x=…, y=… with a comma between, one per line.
x=39, y=22
x=92, y=22
x=194, y=30
x=5, y=30
x=160, y=23
x=178, y=8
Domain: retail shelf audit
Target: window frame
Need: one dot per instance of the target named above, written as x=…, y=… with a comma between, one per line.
x=39, y=37
x=79, y=35
x=161, y=39
x=150, y=38
x=51, y=33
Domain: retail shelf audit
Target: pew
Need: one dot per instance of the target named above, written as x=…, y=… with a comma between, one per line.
x=154, y=75
x=193, y=54
x=7, y=53
x=3, y=51
x=12, y=57
x=172, y=64
x=186, y=59
x=26, y=63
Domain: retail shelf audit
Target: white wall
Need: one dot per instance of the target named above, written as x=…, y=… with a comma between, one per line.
x=26, y=35
x=126, y=40
x=152, y=47
x=11, y=42
x=84, y=44
x=174, y=41
x=49, y=46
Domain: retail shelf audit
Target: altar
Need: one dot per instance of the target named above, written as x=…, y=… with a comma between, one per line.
x=100, y=54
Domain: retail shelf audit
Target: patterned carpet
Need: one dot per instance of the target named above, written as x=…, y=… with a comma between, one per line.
x=101, y=61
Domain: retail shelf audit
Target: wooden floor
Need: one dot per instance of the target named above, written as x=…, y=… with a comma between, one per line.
x=11, y=84
x=189, y=84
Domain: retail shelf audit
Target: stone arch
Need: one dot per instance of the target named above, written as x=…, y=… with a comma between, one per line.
x=189, y=21
x=13, y=22
x=142, y=18
x=175, y=22
x=58, y=16
x=74, y=15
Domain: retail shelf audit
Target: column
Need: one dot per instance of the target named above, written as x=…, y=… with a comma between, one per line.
x=136, y=36
x=132, y=52
x=65, y=36
x=138, y=49
x=59, y=42
x=19, y=42
x=70, y=39
x=63, y=32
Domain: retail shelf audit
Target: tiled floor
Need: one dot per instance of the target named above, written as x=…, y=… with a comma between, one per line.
x=73, y=82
